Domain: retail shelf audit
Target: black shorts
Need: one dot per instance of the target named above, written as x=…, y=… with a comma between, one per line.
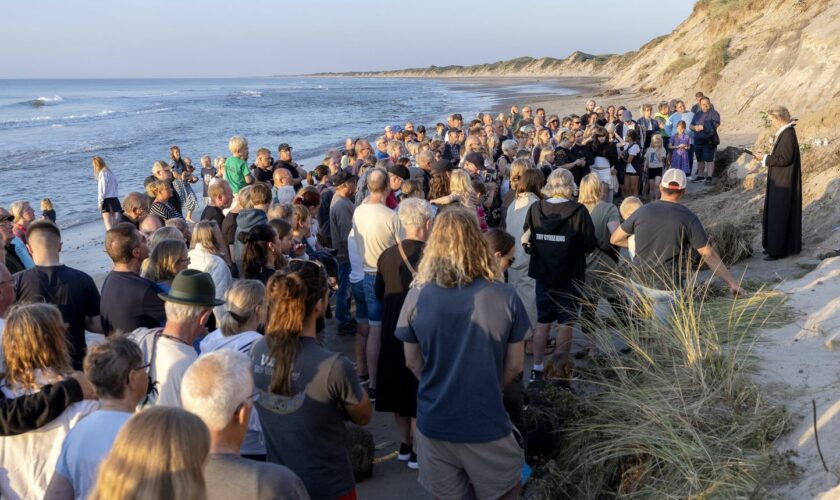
x=111, y=205
x=705, y=152
x=558, y=304
x=653, y=173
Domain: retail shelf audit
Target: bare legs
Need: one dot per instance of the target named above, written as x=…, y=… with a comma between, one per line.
x=361, y=353
x=373, y=344
x=109, y=219
x=541, y=334
x=631, y=185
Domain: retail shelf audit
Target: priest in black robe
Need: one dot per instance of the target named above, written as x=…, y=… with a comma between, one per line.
x=782, y=217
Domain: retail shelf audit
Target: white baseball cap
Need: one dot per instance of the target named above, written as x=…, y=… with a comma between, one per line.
x=674, y=178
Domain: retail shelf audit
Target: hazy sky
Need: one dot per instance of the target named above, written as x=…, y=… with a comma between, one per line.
x=204, y=38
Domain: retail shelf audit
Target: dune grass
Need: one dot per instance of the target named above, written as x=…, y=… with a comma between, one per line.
x=679, y=416
x=678, y=65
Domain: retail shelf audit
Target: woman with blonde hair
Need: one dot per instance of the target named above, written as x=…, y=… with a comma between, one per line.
x=107, y=192
x=35, y=353
x=602, y=263
x=461, y=192
x=23, y=215
x=458, y=288
x=306, y=392
x=168, y=258
x=209, y=255
x=559, y=234
x=161, y=192
x=238, y=331
x=159, y=453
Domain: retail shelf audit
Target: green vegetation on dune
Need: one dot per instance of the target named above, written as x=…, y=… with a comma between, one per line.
x=680, y=64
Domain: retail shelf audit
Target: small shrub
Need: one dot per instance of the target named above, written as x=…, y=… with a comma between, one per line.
x=679, y=65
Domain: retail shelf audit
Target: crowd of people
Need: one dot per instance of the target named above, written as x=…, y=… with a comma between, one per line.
x=447, y=255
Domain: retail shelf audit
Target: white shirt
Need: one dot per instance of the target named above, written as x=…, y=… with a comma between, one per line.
x=28, y=460
x=202, y=260
x=107, y=185
x=357, y=267
x=172, y=359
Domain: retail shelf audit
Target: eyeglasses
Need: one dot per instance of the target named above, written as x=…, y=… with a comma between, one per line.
x=142, y=367
x=253, y=397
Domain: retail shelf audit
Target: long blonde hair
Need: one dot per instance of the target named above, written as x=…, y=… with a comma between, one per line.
x=98, y=165
x=590, y=191
x=207, y=234
x=34, y=338
x=243, y=300
x=456, y=252
x=159, y=453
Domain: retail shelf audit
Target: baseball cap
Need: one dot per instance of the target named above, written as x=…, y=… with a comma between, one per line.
x=400, y=171
x=674, y=178
x=284, y=147
x=626, y=115
x=341, y=177
x=396, y=128
x=475, y=158
x=420, y=128
x=441, y=166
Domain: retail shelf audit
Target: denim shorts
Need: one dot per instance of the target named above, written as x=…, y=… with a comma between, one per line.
x=357, y=289
x=368, y=307
x=558, y=304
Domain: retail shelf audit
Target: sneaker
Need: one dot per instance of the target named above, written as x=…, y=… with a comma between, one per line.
x=698, y=179
x=371, y=394
x=405, y=452
x=708, y=180
x=412, y=462
x=536, y=375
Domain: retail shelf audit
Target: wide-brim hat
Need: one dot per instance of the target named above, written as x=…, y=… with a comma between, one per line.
x=192, y=288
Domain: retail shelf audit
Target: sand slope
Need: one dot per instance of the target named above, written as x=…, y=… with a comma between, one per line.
x=801, y=362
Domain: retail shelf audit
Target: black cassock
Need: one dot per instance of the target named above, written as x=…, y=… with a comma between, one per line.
x=782, y=218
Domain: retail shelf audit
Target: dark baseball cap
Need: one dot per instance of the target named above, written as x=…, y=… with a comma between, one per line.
x=475, y=158
x=441, y=166
x=284, y=147
x=420, y=128
x=341, y=177
x=399, y=171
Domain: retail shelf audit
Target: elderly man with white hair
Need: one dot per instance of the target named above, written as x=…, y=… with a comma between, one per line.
x=219, y=389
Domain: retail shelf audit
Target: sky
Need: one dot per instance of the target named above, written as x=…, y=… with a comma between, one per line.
x=218, y=38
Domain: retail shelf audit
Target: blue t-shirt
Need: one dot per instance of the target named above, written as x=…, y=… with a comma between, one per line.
x=86, y=446
x=464, y=335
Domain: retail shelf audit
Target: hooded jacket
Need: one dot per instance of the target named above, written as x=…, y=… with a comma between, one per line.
x=560, y=236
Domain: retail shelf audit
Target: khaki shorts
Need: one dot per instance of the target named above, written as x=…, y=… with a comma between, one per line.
x=448, y=469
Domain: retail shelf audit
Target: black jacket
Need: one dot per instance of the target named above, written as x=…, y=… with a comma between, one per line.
x=27, y=413
x=561, y=236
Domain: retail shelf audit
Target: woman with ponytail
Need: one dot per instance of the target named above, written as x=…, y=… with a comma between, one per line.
x=262, y=254
x=306, y=392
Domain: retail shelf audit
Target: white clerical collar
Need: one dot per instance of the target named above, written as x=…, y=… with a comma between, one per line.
x=783, y=127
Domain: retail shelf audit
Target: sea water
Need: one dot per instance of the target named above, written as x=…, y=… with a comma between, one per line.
x=51, y=129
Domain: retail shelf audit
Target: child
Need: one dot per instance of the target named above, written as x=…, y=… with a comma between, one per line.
x=681, y=149
x=208, y=172
x=107, y=188
x=236, y=169
x=655, y=164
x=47, y=210
x=630, y=151
x=628, y=206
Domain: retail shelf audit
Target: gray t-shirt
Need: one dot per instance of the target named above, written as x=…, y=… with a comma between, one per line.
x=231, y=476
x=665, y=233
x=463, y=334
x=306, y=431
x=341, y=222
x=602, y=214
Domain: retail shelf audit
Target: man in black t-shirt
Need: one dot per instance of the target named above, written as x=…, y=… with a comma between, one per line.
x=284, y=153
x=263, y=167
x=129, y=301
x=73, y=291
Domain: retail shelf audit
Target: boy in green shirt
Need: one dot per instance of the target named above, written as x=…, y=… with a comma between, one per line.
x=237, y=172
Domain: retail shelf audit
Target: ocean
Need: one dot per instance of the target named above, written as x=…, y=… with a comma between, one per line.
x=50, y=129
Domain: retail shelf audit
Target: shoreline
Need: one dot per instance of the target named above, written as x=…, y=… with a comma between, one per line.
x=83, y=243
